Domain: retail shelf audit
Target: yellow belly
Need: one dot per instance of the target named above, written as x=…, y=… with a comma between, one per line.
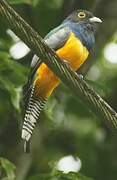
x=73, y=52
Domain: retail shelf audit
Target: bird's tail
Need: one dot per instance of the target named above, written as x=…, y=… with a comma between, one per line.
x=34, y=108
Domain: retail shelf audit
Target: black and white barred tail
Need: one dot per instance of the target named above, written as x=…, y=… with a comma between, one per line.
x=35, y=107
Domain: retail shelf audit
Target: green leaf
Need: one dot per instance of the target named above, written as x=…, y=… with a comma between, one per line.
x=16, y=97
x=100, y=88
x=9, y=168
x=31, y=2
x=12, y=78
x=19, y=1
x=60, y=176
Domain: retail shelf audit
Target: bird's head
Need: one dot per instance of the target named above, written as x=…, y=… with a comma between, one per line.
x=83, y=23
x=83, y=16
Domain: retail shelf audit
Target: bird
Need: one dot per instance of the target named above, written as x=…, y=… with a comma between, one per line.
x=72, y=40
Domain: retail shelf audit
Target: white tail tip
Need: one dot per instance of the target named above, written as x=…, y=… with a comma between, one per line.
x=26, y=135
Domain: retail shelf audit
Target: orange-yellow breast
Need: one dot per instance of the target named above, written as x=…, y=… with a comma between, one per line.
x=73, y=52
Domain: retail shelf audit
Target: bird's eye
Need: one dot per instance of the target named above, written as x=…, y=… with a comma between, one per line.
x=81, y=15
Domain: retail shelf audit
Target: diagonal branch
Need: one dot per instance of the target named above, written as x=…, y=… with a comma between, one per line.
x=62, y=70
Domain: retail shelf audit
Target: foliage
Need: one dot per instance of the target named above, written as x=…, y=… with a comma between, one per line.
x=66, y=127
x=59, y=176
x=7, y=170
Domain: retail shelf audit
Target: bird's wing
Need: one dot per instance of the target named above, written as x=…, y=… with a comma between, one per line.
x=57, y=37
x=55, y=40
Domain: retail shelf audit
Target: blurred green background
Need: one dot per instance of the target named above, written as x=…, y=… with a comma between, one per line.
x=67, y=127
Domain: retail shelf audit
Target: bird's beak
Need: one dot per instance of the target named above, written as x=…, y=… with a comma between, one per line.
x=95, y=20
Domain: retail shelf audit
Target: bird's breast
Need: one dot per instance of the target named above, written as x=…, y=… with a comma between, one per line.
x=73, y=52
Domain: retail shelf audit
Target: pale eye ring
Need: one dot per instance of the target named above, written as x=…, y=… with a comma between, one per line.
x=81, y=15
